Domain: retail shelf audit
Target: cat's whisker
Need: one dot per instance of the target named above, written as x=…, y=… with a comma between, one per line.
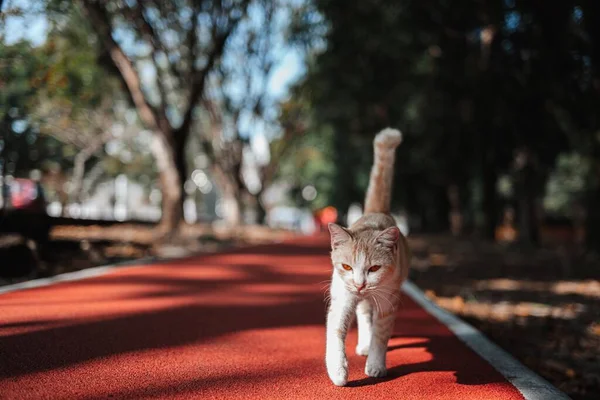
x=377, y=306
x=387, y=291
x=390, y=292
x=389, y=301
x=392, y=296
x=382, y=298
x=379, y=301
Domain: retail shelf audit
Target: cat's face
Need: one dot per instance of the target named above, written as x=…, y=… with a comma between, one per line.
x=364, y=260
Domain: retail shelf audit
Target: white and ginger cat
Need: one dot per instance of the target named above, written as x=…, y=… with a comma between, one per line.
x=370, y=262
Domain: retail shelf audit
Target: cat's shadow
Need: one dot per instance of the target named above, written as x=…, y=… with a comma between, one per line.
x=442, y=360
x=419, y=343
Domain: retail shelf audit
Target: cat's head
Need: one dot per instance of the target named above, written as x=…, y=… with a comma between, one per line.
x=365, y=259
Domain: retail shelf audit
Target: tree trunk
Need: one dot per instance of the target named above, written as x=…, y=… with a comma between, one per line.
x=489, y=206
x=261, y=213
x=4, y=199
x=528, y=226
x=526, y=184
x=76, y=184
x=592, y=229
x=344, y=178
x=232, y=208
x=255, y=206
x=231, y=190
x=455, y=216
x=181, y=161
x=92, y=177
x=591, y=10
x=171, y=186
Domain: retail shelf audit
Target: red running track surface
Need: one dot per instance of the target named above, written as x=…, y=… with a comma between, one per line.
x=245, y=324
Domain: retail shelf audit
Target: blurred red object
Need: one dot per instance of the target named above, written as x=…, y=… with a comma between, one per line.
x=329, y=214
x=24, y=193
x=325, y=216
x=23, y=209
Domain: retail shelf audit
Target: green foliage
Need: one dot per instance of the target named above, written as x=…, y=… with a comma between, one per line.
x=468, y=83
x=309, y=162
x=567, y=184
x=58, y=99
x=21, y=147
x=71, y=87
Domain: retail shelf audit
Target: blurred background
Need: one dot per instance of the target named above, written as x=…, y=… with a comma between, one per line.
x=137, y=128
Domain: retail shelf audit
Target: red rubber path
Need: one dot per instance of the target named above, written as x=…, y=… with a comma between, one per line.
x=242, y=324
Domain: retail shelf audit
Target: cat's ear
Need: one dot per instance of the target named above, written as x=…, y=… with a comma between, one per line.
x=338, y=234
x=389, y=237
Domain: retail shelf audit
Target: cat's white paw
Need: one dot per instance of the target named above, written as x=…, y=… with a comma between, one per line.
x=362, y=349
x=338, y=373
x=375, y=370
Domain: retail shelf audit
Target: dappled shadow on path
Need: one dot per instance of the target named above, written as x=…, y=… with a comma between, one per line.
x=222, y=324
x=161, y=306
x=438, y=347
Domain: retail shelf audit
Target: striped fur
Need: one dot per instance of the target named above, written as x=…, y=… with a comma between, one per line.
x=379, y=192
x=373, y=240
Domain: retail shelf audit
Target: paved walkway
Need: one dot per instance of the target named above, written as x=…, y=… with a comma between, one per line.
x=242, y=324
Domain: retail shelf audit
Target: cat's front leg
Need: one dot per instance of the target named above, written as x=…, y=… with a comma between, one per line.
x=382, y=331
x=364, y=319
x=339, y=318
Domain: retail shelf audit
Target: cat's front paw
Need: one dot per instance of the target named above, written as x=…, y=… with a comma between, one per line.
x=375, y=370
x=362, y=349
x=338, y=372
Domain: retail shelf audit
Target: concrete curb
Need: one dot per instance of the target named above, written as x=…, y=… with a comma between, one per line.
x=531, y=385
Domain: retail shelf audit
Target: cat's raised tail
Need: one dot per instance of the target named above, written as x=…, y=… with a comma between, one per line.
x=379, y=192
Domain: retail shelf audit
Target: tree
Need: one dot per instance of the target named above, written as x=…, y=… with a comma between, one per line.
x=308, y=160
x=180, y=42
x=587, y=15
x=239, y=111
x=473, y=85
x=22, y=148
x=228, y=156
x=74, y=99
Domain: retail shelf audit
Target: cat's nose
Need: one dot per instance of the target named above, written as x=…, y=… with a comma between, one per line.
x=360, y=286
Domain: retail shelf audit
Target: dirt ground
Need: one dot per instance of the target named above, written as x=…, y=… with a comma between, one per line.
x=542, y=306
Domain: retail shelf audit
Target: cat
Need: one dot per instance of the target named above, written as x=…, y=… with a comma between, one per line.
x=370, y=261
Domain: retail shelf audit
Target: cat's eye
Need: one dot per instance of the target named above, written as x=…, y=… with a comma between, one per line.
x=347, y=267
x=374, y=268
